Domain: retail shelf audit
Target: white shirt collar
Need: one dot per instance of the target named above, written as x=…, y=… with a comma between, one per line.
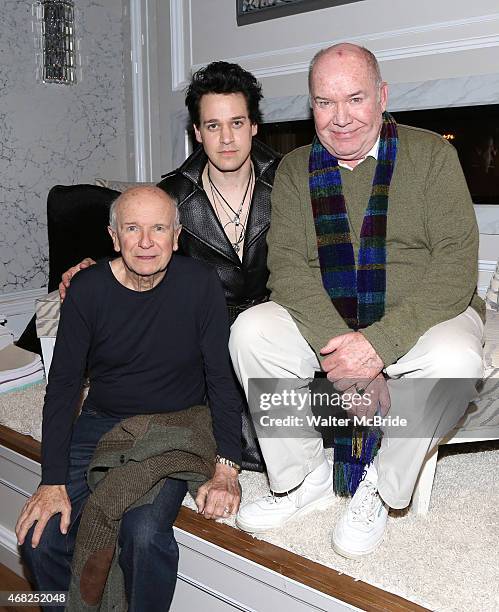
x=373, y=152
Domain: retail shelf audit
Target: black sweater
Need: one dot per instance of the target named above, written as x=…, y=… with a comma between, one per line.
x=146, y=352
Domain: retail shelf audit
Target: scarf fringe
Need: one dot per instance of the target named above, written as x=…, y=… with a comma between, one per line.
x=352, y=455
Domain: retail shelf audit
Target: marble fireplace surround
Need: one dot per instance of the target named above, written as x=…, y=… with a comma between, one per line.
x=441, y=93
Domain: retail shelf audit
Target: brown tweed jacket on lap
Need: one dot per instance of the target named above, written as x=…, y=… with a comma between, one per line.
x=128, y=468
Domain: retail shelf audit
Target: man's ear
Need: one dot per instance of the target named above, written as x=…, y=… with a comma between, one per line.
x=197, y=133
x=254, y=129
x=114, y=238
x=383, y=96
x=176, y=234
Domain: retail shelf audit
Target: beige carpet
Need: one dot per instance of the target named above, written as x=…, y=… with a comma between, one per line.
x=447, y=561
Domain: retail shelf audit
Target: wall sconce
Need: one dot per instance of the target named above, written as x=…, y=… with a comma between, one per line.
x=56, y=42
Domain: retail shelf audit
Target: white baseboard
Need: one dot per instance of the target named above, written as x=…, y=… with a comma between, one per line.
x=9, y=553
x=19, y=477
x=213, y=578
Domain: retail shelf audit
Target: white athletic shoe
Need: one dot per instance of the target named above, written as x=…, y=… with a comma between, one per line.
x=360, y=530
x=272, y=511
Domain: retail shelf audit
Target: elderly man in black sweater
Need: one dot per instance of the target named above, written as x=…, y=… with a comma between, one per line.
x=151, y=328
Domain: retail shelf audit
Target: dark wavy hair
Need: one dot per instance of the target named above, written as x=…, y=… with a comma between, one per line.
x=224, y=78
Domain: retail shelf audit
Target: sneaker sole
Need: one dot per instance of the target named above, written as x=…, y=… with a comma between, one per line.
x=320, y=504
x=355, y=555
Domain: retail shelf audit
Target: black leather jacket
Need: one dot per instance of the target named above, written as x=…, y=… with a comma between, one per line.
x=203, y=237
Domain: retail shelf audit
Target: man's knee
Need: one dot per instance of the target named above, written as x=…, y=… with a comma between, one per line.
x=30, y=555
x=451, y=349
x=250, y=327
x=457, y=358
x=140, y=532
x=47, y=547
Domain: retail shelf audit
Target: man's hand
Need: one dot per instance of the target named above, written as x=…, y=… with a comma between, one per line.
x=41, y=506
x=68, y=275
x=352, y=365
x=375, y=394
x=220, y=496
x=351, y=357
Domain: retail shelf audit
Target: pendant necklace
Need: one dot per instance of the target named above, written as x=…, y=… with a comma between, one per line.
x=236, y=219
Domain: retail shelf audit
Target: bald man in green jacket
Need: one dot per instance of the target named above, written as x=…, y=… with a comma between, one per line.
x=373, y=249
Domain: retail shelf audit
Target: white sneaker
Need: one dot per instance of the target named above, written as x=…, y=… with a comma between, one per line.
x=272, y=511
x=360, y=530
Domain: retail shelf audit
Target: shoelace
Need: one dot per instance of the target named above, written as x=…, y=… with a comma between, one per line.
x=365, y=508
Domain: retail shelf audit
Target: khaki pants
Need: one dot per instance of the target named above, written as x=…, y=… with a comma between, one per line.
x=265, y=343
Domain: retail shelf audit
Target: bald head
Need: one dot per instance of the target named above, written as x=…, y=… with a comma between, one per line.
x=347, y=52
x=144, y=227
x=348, y=99
x=140, y=195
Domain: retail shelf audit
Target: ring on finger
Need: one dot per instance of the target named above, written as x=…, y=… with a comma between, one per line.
x=226, y=510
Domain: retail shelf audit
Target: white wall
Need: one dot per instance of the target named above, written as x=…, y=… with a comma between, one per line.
x=403, y=28
x=52, y=134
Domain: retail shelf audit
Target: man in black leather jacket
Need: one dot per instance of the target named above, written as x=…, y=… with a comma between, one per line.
x=223, y=194
x=244, y=279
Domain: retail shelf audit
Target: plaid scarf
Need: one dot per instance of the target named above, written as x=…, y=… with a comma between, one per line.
x=357, y=291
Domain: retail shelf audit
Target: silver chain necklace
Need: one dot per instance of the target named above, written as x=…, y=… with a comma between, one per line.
x=236, y=219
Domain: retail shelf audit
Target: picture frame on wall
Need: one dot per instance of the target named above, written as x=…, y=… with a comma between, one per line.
x=253, y=11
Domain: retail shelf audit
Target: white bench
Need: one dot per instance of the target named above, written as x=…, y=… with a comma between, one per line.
x=480, y=423
x=477, y=425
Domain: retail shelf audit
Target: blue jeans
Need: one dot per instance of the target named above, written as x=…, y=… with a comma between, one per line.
x=149, y=552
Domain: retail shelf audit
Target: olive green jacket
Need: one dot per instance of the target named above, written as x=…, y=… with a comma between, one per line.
x=128, y=470
x=431, y=242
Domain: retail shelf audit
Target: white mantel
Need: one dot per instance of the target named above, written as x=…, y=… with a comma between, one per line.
x=442, y=93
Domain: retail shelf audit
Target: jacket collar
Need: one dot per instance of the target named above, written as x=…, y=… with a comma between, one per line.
x=198, y=216
x=261, y=156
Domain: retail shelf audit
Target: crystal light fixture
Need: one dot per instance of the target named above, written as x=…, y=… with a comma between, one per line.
x=56, y=28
